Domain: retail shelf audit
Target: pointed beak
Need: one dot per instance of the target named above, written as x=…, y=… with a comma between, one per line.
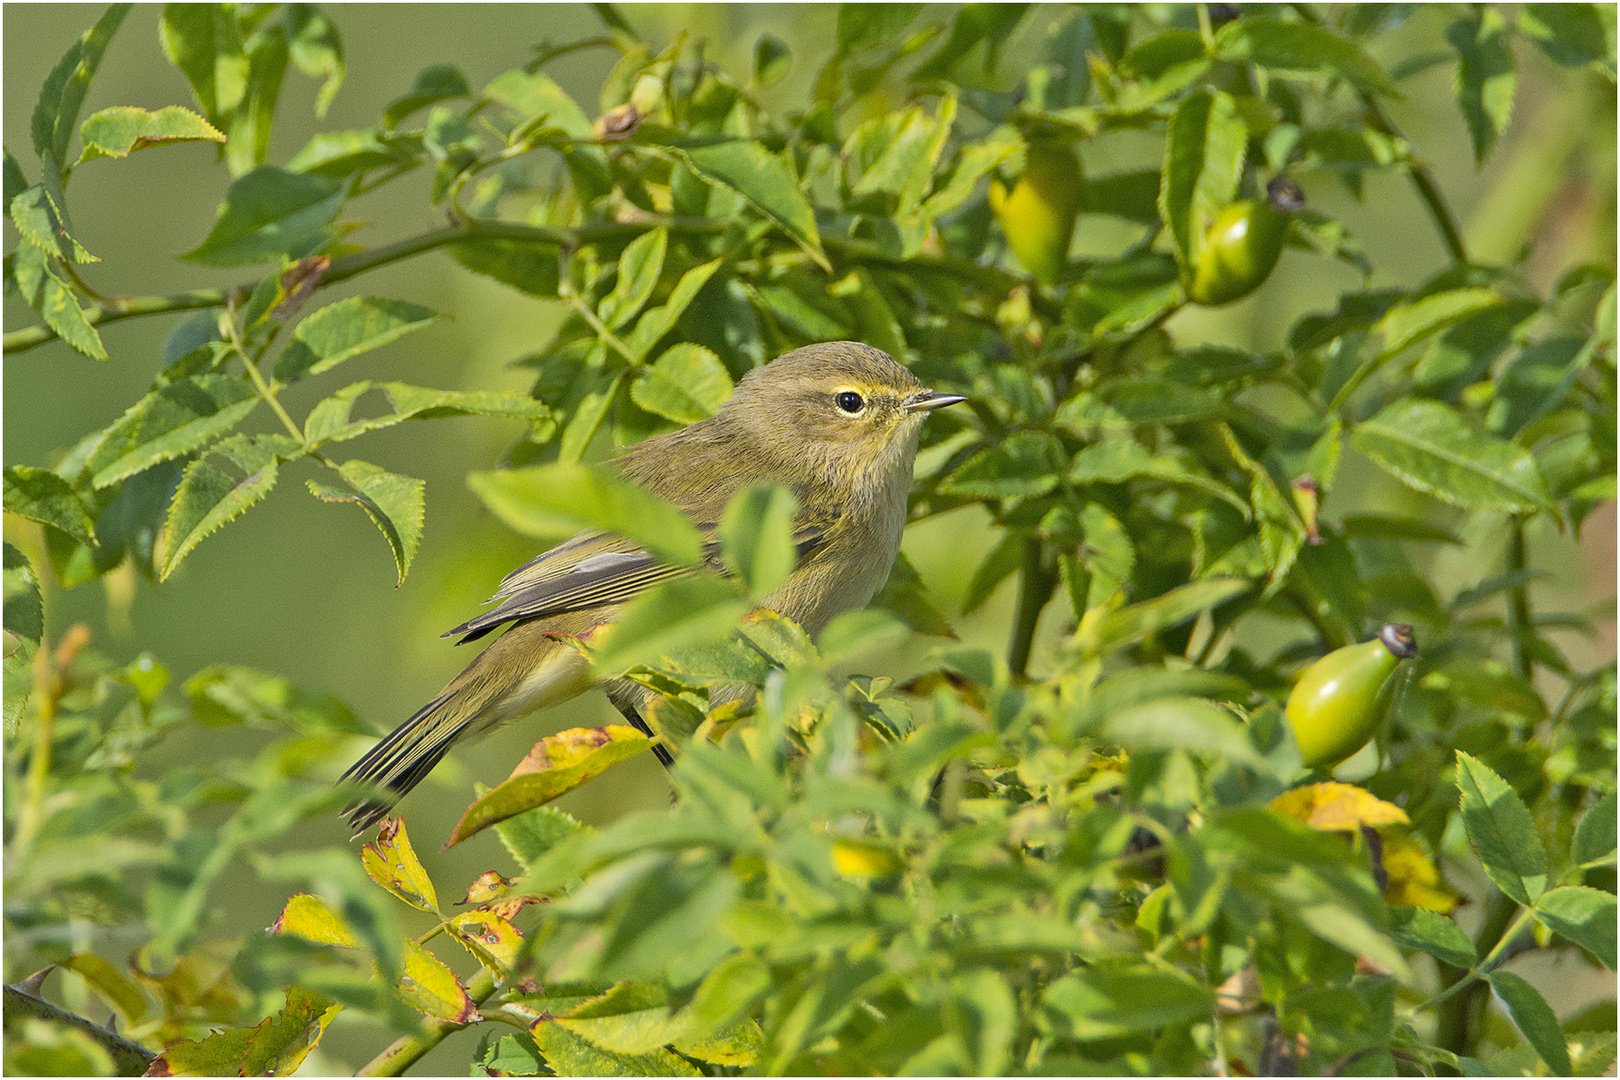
x=927, y=400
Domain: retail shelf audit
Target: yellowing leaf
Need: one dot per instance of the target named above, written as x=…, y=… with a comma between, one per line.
x=308, y=917
x=493, y=940
x=429, y=987
x=1338, y=807
x=557, y=764
x=1413, y=879
x=393, y=864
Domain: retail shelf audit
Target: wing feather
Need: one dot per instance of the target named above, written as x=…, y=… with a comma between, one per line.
x=588, y=571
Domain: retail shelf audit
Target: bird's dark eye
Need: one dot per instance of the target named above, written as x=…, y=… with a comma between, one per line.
x=850, y=401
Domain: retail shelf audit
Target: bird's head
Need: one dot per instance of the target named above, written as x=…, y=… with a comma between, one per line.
x=851, y=412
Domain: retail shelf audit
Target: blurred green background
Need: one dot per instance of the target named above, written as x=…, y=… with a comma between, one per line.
x=305, y=589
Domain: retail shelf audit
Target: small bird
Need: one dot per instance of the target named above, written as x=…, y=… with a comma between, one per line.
x=836, y=423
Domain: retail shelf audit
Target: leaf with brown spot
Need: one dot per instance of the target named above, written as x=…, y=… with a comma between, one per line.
x=392, y=863
x=488, y=886
x=493, y=940
x=431, y=988
x=556, y=765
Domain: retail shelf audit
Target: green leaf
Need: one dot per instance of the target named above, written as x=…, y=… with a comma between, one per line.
x=205, y=42
x=686, y=384
x=1486, y=76
x=113, y=985
x=905, y=168
x=559, y=500
x=1159, y=66
x=756, y=537
x=341, y=331
x=1585, y=916
x=60, y=99
x=1119, y=628
x=271, y=214
x=1430, y=447
x=1304, y=47
x=974, y=23
x=1006, y=557
x=866, y=26
x=1408, y=323
x=768, y=183
x=315, y=46
x=1420, y=928
x=1133, y=196
x=217, y=488
x=631, y=1018
x=1026, y=463
x=1116, y=460
x=24, y=608
x=772, y=59
x=513, y=1055
x=540, y=102
x=43, y=496
x=343, y=153
x=45, y=290
x=394, y=502
x=672, y=615
x=218, y=1054
x=530, y=835
x=1594, y=837
x=16, y=182
x=853, y=634
x=1502, y=831
x=569, y=1055
x=639, y=267
x=1394, y=527
x=1203, y=159
x=906, y=597
x=1535, y=1018
x=1573, y=35
x=1108, y=1000
x=170, y=421
x=435, y=83
x=1107, y=554
x=123, y=129
x=250, y=124
x=1200, y=727
x=530, y=266
x=40, y=215
x=657, y=322
x=329, y=421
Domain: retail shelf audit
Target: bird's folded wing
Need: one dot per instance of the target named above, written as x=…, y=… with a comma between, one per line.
x=588, y=571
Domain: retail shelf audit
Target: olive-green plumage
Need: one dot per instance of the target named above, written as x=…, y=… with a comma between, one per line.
x=835, y=423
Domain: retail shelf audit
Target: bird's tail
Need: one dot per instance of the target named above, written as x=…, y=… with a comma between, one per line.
x=398, y=763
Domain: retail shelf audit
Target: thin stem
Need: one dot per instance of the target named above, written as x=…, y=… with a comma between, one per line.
x=1421, y=178
x=39, y=764
x=566, y=291
x=1332, y=637
x=1518, y=602
x=1479, y=970
x=129, y=307
x=409, y=1049
x=1462, y=1001
x=259, y=385
x=1035, y=585
x=129, y=1058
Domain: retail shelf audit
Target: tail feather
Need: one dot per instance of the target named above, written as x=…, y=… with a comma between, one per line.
x=399, y=762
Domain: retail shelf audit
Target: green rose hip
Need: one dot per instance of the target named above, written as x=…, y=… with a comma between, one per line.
x=1334, y=706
